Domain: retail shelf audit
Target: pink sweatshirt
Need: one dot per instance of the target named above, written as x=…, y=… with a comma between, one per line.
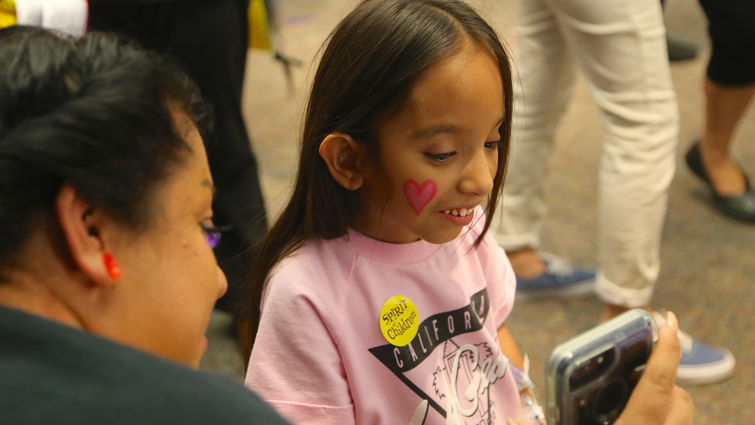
x=320, y=356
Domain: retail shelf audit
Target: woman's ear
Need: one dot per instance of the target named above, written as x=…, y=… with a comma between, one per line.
x=81, y=225
x=344, y=158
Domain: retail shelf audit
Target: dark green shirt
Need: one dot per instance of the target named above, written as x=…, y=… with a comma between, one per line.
x=53, y=374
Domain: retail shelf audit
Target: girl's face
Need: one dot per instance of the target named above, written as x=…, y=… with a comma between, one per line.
x=438, y=153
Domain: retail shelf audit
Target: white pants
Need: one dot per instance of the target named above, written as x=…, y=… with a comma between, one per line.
x=620, y=47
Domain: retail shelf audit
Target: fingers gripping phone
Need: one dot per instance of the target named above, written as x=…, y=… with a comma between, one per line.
x=590, y=377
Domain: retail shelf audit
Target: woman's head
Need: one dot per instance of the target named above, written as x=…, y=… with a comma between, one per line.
x=100, y=152
x=377, y=75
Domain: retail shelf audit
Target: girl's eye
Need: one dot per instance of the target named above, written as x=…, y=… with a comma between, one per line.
x=493, y=145
x=440, y=157
x=213, y=233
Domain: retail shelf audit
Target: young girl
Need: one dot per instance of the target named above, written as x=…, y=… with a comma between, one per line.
x=382, y=299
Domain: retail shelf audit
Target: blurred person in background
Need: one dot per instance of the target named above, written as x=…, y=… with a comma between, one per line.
x=209, y=41
x=620, y=47
x=729, y=86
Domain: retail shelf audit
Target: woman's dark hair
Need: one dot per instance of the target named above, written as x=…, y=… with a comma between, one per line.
x=95, y=113
x=373, y=58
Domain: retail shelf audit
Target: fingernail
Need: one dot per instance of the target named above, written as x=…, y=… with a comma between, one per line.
x=672, y=320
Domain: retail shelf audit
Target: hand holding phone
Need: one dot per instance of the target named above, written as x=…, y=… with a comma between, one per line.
x=600, y=376
x=657, y=400
x=590, y=377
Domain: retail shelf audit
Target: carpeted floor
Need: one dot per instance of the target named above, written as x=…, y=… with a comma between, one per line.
x=708, y=269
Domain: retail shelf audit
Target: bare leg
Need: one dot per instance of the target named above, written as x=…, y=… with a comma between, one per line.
x=526, y=262
x=724, y=107
x=609, y=311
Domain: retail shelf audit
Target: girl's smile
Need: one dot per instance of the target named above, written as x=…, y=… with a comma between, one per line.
x=459, y=216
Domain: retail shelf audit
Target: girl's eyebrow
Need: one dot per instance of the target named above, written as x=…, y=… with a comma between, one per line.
x=434, y=130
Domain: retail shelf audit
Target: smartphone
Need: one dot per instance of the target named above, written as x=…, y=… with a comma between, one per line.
x=589, y=378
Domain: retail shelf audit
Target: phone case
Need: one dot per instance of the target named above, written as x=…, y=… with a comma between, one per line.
x=590, y=377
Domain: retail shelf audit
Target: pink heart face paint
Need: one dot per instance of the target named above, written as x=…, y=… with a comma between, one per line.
x=419, y=195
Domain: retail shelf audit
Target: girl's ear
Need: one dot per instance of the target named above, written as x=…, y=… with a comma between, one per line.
x=82, y=229
x=344, y=158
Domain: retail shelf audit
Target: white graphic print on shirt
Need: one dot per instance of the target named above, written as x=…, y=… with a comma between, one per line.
x=462, y=373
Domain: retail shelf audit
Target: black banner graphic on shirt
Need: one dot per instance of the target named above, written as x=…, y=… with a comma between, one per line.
x=434, y=331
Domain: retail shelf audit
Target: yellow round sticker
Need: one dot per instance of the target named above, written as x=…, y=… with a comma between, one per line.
x=399, y=320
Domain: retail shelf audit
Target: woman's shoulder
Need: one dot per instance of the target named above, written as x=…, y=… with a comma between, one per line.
x=145, y=383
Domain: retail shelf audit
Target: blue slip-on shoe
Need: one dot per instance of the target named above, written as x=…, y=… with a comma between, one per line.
x=560, y=280
x=701, y=363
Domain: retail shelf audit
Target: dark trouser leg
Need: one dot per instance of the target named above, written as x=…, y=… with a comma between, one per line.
x=209, y=39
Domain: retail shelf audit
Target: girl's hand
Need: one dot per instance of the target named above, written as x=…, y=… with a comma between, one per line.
x=657, y=400
x=531, y=409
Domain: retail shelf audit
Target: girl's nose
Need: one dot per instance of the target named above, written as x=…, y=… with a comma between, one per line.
x=477, y=177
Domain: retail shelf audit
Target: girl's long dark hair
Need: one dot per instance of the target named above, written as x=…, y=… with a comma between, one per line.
x=373, y=58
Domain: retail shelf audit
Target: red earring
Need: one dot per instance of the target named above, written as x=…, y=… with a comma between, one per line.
x=113, y=270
